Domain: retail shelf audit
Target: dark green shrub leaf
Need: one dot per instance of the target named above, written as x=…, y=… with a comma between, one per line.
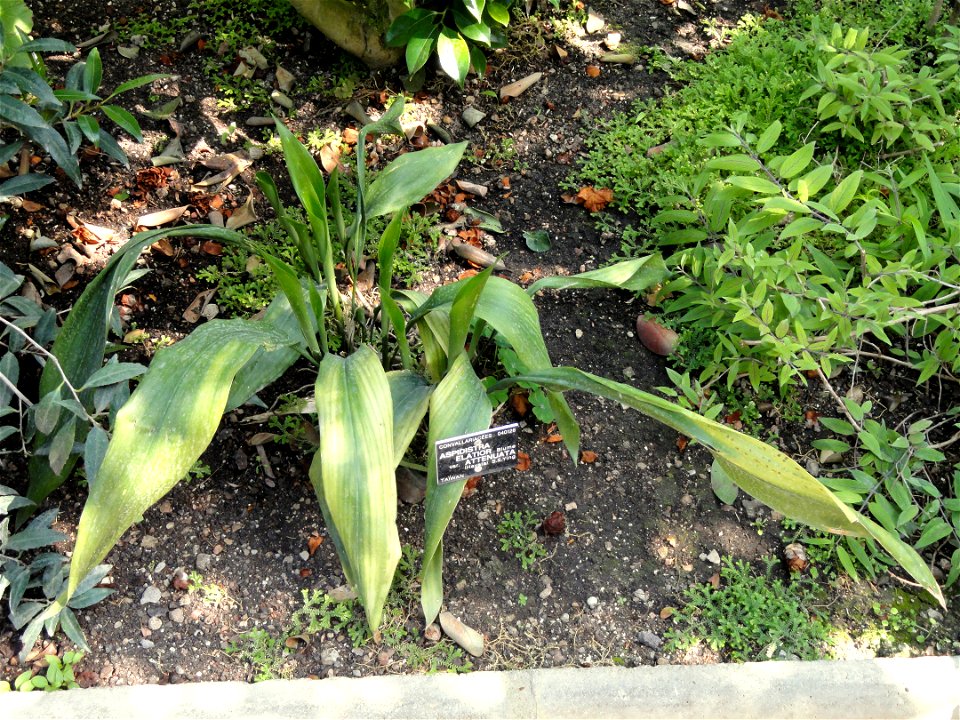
x=419, y=50
x=92, y=72
x=416, y=23
x=537, y=240
x=124, y=119
x=90, y=128
x=22, y=184
x=17, y=112
x=454, y=54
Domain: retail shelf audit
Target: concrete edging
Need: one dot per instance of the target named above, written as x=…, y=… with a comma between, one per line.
x=926, y=687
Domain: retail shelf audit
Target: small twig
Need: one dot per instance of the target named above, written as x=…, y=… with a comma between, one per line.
x=56, y=363
x=839, y=400
x=946, y=443
x=13, y=388
x=912, y=151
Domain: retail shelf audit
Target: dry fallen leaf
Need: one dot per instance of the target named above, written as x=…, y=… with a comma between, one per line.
x=796, y=556
x=330, y=157
x=523, y=461
x=594, y=199
x=470, y=487
x=588, y=456
x=162, y=217
x=520, y=403
x=313, y=542
x=593, y=71
x=655, y=337
x=515, y=89
x=667, y=612
x=164, y=247
x=715, y=581
x=682, y=443
x=244, y=215
x=554, y=438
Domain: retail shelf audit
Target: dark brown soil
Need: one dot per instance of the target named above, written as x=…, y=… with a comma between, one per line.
x=640, y=519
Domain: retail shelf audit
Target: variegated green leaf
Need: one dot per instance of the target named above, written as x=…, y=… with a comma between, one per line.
x=458, y=406
x=353, y=473
x=162, y=430
x=759, y=469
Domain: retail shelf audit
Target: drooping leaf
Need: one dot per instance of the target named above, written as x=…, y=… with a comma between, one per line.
x=81, y=342
x=759, y=469
x=124, y=119
x=353, y=472
x=161, y=431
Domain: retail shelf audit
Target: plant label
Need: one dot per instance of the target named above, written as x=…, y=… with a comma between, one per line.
x=479, y=453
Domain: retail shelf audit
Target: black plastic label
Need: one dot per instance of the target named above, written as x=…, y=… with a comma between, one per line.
x=479, y=453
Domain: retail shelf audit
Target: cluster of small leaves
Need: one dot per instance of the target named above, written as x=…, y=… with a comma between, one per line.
x=31, y=580
x=65, y=421
x=892, y=480
x=518, y=536
x=752, y=617
x=799, y=264
x=57, y=121
x=59, y=675
x=456, y=31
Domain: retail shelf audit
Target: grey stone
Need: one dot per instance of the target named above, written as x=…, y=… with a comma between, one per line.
x=329, y=656
x=649, y=639
x=472, y=116
x=155, y=623
x=177, y=615
x=151, y=596
x=204, y=560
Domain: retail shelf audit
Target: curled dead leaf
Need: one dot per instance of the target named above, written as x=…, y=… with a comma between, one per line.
x=593, y=71
x=313, y=542
x=715, y=581
x=796, y=556
x=588, y=456
x=554, y=438
x=594, y=199
x=655, y=337
x=682, y=443
x=523, y=461
x=470, y=487
x=162, y=217
x=163, y=247
x=667, y=612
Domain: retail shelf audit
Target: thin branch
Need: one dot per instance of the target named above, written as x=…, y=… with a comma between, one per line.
x=839, y=400
x=56, y=363
x=947, y=443
x=13, y=388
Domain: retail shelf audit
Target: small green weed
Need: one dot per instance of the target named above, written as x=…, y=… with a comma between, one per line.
x=518, y=536
x=752, y=617
x=59, y=675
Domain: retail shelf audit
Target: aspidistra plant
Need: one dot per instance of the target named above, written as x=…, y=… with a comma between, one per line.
x=370, y=405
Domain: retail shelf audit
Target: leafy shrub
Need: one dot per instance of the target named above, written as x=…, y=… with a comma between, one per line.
x=455, y=30
x=31, y=581
x=752, y=617
x=813, y=232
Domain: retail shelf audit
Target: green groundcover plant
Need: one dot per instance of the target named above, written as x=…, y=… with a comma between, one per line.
x=407, y=362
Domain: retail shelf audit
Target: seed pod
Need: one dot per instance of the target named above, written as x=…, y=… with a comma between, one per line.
x=655, y=337
x=555, y=523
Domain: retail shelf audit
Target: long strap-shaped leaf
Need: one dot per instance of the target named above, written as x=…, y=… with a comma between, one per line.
x=458, y=406
x=81, y=341
x=163, y=428
x=761, y=470
x=353, y=473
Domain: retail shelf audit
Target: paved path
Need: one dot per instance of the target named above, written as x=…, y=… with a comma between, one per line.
x=891, y=688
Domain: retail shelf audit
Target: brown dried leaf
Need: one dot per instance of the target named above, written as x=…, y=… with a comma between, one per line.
x=588, y=456
x=520, y=402
x=470, y=487
x=163, y=247
x=594, y=199
x=162, y=217
x=667, y=612
x=593, y=71
x=523, y=461
x=330, y=157
x=313, y=542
